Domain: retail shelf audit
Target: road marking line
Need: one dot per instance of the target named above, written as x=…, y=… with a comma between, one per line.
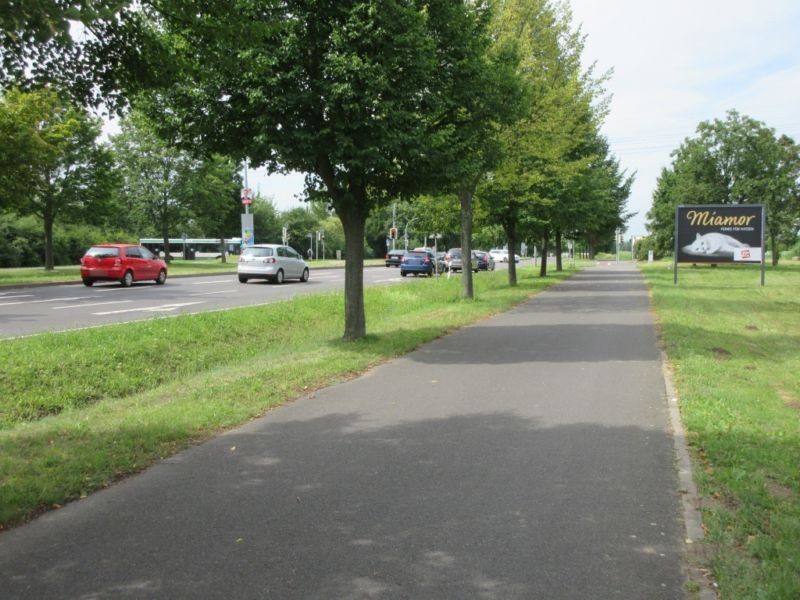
x=61, y=299
x=214, y=281
x=42, y=301
x=210, y=293
x=161, y=308
x=91, y=304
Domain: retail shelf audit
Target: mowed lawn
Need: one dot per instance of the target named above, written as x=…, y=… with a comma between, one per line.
x=81, y=409
x=734, y=347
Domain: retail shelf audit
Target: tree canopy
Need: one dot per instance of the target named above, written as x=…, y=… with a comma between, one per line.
x=738, y=160
x=359, y=95
x=51, y=162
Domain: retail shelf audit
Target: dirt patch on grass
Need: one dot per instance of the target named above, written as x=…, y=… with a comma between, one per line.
x=720, y=353
x=777, y=490
x=789, y=399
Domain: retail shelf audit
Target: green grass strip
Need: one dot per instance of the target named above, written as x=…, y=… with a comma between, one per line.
x=735, y=350
x=81, y=409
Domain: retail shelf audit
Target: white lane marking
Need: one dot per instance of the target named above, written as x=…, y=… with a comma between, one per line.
x=161, y=308
x=14, y=297
x=211, y=293
x=214, y=281
x=61, y=299
x=91, y=304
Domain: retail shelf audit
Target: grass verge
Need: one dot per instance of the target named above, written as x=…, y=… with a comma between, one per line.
x=81, y=409
x=735, y=351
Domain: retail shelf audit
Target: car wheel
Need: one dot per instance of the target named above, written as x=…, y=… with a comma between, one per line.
x=127, y=279
x=279, y=277
x=162, y=277
x=242, y=279
x=304, y=277
x=88, y=282
x=403, y=273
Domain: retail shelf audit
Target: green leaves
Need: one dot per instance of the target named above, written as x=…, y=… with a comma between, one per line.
x=738, y=160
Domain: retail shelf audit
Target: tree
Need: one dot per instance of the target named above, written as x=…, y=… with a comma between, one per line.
x=213, y=198
x=267, y=221
x=302, y=225
x=155, y=176
x=67, y=45
x=348, y=92
x=485, y=93
x=51, y=162
x=735, y=161
x=530, y=194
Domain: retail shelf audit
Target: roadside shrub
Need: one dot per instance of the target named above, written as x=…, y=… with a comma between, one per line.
x=22, y=241
x=643, y=246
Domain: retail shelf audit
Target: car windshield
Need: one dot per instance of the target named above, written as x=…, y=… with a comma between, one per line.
x=102, y=252
x=418, y=254
x=251, y=251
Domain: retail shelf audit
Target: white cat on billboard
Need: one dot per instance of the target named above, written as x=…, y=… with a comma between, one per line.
x=714, y=244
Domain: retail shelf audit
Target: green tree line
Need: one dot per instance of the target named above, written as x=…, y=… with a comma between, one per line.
x=477, y=118
x=738, y=160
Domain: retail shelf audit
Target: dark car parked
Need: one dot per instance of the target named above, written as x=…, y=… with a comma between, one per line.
x=485, y=261
x=418, y=263
x=395, y=257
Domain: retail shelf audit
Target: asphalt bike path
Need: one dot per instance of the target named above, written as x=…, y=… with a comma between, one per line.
x=527, y=456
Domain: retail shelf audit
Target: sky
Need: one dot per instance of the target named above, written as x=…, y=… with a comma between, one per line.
x=675, y=64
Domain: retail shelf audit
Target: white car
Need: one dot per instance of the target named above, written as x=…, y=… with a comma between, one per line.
x=500, y=255
x=274, y=262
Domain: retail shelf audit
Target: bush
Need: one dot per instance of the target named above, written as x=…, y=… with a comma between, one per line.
x=22, y=241
x=643, y=246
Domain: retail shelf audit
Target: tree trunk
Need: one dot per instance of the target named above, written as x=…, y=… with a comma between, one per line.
x=545, y=250
x=222, y=250
x=511, y=236
x=465, y=198
x=353, y=218
x=559, y=266
x=774, y=244
x=165, y=237
x=48, y=218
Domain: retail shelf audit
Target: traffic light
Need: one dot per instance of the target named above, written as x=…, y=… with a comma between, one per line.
x=393, y=233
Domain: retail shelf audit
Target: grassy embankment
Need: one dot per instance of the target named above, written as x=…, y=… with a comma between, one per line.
x=81, y=409
x=178, y=267
x=735, y=350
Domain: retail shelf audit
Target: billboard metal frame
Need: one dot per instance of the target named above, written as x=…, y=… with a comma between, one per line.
x=726, y=208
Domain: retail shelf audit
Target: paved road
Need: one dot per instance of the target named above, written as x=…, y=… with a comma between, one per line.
x=31, y=310
x=528, y=456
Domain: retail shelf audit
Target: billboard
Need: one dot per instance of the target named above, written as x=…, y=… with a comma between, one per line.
x=719, y=233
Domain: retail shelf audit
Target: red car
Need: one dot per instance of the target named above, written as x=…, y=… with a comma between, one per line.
x=125, y=263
